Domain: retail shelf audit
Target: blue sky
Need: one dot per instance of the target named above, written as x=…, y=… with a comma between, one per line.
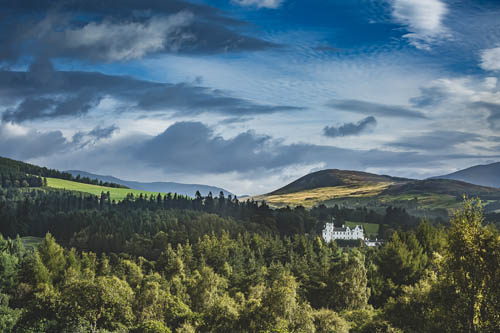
x=250, y=94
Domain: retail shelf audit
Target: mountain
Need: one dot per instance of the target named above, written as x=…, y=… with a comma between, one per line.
x=165, y=187
x=355, y=189
x=333, y=178
x=485, y=175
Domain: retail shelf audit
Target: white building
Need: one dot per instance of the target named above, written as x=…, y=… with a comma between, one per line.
x=332, y=233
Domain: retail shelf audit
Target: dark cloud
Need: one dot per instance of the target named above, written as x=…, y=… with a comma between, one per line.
x=235, y=120
x=429, y=97
x=437, y=140
x=194, y=147
x=363, y=107
x=30, y=144
x=350, y=128
x=103, y=132
x=117, y=30
x=494, y=111
x=83, y=139
x=44, y=93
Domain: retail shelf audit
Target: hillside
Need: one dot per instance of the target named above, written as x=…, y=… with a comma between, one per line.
x=485, y=175
x=334, y=178
x=115, y=193
x=165, y=187
x=17, y=171
x=442, y=186
x=431, y=197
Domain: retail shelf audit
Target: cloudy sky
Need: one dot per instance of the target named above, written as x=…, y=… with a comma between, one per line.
x=250, y=94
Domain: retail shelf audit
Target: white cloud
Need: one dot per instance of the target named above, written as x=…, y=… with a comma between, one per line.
x=423, y=19
x=133, y=40
x=490, y=59
x=259, y=3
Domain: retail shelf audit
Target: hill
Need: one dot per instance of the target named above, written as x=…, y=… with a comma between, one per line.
x=431, y=197
x=442, y=186
x=25, y=174
x=485, y=175
x=333, y=178
x=115, y=193
x=164, y=187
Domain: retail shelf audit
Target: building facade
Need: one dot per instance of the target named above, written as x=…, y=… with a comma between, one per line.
x=330, y=232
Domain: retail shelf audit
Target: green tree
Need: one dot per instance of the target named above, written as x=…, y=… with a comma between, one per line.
x=472, y=270
x=52, y=256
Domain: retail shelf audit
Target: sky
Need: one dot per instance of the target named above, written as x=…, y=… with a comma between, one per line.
x=249, y=95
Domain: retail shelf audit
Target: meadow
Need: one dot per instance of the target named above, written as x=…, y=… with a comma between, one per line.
x=314, y=197
x=117, y=194
x=371, y=229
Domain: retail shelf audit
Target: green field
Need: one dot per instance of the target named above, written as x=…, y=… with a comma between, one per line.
x=31, y=242
x=371, y=229
x=116, y=193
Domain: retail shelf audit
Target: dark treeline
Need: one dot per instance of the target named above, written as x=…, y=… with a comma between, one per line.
x=70, y=216
x=19, y=174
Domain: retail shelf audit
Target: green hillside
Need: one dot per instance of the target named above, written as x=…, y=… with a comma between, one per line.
x=335, y=178
x=422, y=198
x=116, y=193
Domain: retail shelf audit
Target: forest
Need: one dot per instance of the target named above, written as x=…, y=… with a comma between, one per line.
x=216, y=264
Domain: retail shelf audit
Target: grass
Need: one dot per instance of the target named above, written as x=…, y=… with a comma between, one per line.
x=31, y=242
x=313, y=197
x=371, y=229
x=116, y=193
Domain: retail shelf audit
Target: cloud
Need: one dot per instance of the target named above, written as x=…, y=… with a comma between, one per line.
x=363, y=107
x=273, y=4
x=187, y=147
x=494, y=113
x=350, y=128
x=84, y=139
x=423, y=18
x=192, y=151
x=130, y=40
x=103, y=132
x=490, y=59
x=110, y=31
x=436, y=140
x=44, y=93
x=429, y=97
x=21, y=144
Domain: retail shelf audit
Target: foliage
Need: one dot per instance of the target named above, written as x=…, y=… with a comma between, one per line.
x=167, y=263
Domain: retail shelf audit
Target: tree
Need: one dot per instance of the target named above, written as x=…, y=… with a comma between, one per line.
x=348, y=282
x=102, y=303
x=472, y=268
x=328, y=321
x=52, y=257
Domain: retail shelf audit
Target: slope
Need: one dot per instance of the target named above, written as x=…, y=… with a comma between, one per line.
x=334, y=178
x=165, y=187
x=485, y=175
x=431, y=197
x=115, y=193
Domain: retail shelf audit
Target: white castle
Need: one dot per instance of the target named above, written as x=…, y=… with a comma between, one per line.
x=332, y=233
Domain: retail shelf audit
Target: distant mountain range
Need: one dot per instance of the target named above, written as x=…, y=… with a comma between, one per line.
x=165, y=187
x=485, y=175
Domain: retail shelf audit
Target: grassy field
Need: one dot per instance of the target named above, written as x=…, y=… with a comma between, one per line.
x=31, y=242
x=116, y=193
x=371, y=229
x=311, y=198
